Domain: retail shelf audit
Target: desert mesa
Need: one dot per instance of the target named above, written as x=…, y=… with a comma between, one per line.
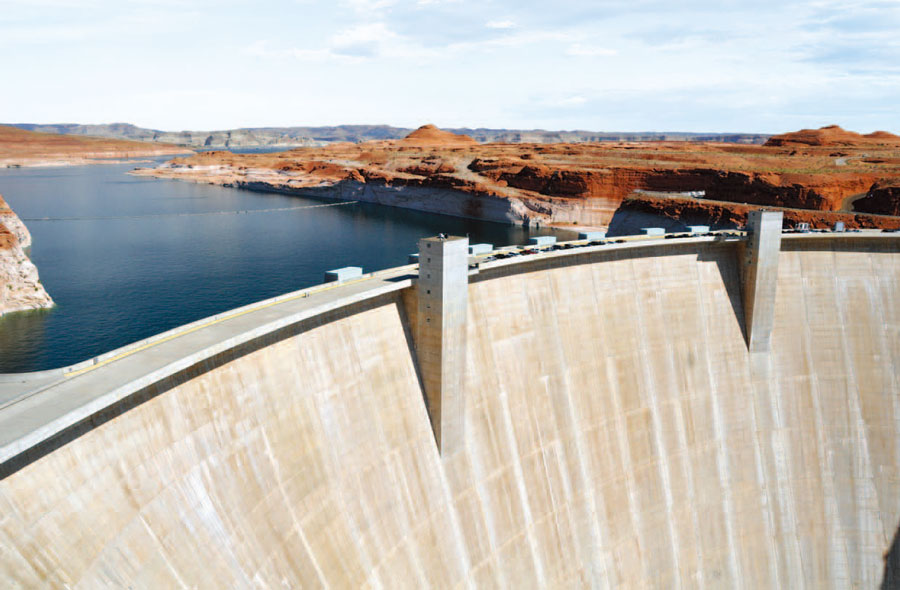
x=22, y=148
x=818, y=176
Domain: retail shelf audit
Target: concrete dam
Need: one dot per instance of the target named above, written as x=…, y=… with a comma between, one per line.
x=654, y=413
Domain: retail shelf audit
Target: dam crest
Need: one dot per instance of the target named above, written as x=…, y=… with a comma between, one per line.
x=614, y=422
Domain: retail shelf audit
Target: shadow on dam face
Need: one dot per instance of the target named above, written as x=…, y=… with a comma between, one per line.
x=727, y=260
x=616, y=435
x=891, y=578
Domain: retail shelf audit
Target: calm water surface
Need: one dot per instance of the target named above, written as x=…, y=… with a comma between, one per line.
x=127, y=257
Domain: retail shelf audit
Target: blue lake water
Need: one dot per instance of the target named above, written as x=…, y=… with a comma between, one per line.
x=127, y=257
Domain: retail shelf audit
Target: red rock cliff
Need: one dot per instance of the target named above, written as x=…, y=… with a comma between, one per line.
x=567, y=183
x=20, y=287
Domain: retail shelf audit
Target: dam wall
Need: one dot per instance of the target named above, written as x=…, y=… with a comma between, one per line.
x=618, y=433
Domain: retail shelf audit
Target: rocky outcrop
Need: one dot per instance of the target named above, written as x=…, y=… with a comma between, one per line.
x=796, y=190
x=805, y=191
x=882, y=199
x=20, y=287
x=720, y=214
x=560, y=184
x=833, y=136
x=431, y=135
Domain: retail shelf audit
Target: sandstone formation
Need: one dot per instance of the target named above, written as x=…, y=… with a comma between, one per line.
x=558, y=184
x=429, y=135
x=883, y=198
x=20, y=288
x=27, y=148
x=722, y=214
x=833, y=136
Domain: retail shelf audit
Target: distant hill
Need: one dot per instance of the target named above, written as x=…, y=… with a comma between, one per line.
x=431, y=135
x=262, y=137
x=832, y=136
x=23, y=147
x=483, y=135
x=312, y=136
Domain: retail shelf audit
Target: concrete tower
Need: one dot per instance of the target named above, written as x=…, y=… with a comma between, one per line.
x=760, y=272
x=443, y=297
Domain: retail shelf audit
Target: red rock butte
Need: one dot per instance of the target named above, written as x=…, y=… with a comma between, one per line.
x=833, y=136
x=431, y=135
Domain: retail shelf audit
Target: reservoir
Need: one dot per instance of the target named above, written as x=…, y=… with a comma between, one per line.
x=127, y=257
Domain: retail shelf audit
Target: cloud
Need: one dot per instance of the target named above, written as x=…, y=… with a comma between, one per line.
x=365, y=40
x=500, y=24
x=368, y=41
x=580, y=50
x=264, y=49
x=854, y=17
x=56, y=22
x=572, y=101
x=355, y=44
x=855, y=38
x=369, y=6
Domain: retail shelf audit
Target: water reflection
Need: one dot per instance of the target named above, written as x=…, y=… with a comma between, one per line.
x=22, y=336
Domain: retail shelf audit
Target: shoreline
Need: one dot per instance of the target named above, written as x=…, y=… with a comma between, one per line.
x=13, y=164
x=23, y=288
x=442, y=200
x=492, y=207
x=455, y=203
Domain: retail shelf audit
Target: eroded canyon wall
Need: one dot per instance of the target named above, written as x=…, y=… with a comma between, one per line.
x=20, y=287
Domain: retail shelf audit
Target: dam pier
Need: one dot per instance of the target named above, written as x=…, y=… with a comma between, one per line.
x=442, y=292
x=760, y=274
x=590, y=414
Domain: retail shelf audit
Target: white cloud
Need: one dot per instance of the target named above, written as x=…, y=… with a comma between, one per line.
x=572, y=101
x=368, y=7
x=264, y=49
x=501, y=24
x=369, y=33
x=376, y=40
x=356, y=44
x=579, y=50
x=520, y=38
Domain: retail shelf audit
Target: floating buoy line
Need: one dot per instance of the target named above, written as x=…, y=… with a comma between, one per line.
x=241, y=212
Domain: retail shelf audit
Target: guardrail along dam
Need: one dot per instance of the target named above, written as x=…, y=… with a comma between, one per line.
x=707, y=411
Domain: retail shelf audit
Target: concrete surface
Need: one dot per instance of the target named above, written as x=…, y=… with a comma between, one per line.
x=760, y=276
x=618, y=433
x=440, y=341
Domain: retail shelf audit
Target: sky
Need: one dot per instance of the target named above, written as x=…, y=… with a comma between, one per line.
x=757, y=66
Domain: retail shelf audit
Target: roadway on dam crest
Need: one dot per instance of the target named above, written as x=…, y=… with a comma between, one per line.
x=37, y=407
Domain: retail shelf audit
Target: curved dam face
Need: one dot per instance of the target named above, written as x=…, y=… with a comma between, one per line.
x=617, y=432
